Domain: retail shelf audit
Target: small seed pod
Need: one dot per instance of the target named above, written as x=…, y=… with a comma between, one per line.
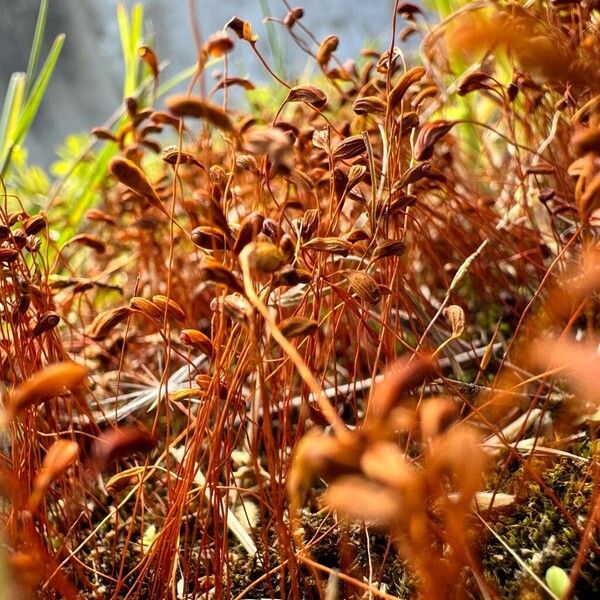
x=369, y=105
x=270, y=228
x=118, y=443
x=409, y=78
x=23, y=304
x=247, y=162
x=95, y=214
x=217, y=273
x=349, y=148
x=164, y=118
x=250, y=227
x=191, y=106
x=289, y=275
x=90, y=241
x=287, y=246
x=294, y=327
x=129, y=174
x=217, y=45
x=333, y=245
x=45, y=323
x=456, y=317
x=208, y=238
x=45, y=384
x=8, y=255
x=196, y=339
x=35, y=224
x=173, y=309
x=146, y=307
x=295, y=14
x=20, y=239
x=326, y=49
x=364, y=285
x=106, y=321
x=389, y=248
x=172, y=156
x=102, y=133
x=266, y=257
x=310, y=94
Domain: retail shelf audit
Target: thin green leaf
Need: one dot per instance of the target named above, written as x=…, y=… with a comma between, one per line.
x=13, y=103
x=36, y=46
x=87, y=196
x=33, y=100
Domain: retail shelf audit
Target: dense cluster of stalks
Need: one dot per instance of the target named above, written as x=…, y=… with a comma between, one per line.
x=364, y=302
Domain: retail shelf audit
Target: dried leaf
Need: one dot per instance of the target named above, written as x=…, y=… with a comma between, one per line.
x=456, y=317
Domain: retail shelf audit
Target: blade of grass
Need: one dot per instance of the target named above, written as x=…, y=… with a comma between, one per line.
x=130, y=32
x=519, y=560
x=13, y=103
x=36, y=46
x=34, y=99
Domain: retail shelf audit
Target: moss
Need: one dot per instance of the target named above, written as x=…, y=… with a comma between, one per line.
x=538, y=532
x=338, y=547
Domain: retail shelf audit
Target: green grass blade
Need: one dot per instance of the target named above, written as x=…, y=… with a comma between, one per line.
x=34, y=100
x=87, y=196
x=178, y=78
x=36, y=46
x=13, y=103
x=130, y=32
x=275, y=44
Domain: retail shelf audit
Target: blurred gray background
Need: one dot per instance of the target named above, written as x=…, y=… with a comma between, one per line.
x=87, y=84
